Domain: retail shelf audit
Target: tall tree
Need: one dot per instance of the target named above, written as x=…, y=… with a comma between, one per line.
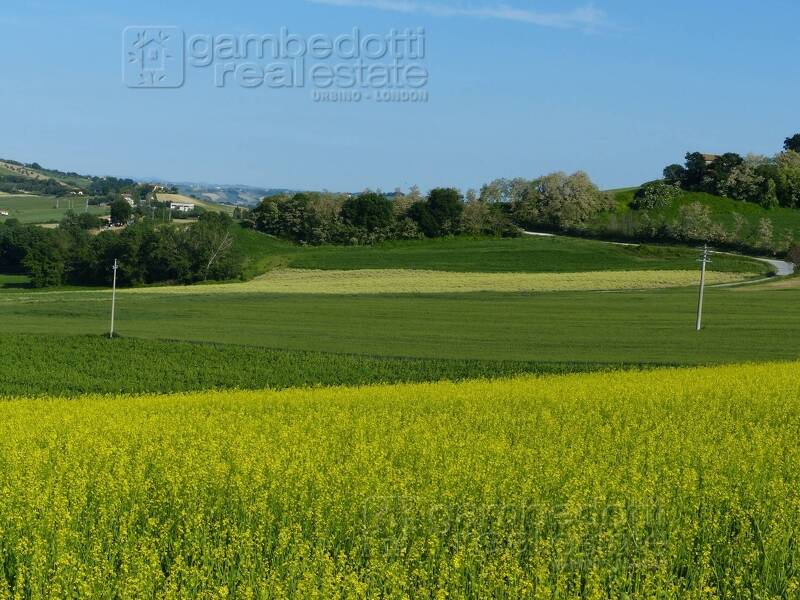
x=446, y=206
x=792, y=143
x=696, y=168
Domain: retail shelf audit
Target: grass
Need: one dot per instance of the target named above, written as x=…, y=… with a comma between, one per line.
x=647, y=485
x=42, y=209
x=632, y=327
x=13, y=281
x=77, y=365
x=485, y=255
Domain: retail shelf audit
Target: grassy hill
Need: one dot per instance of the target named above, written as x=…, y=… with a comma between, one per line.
x=486, y=255
x=785, y=221
x=70, y=181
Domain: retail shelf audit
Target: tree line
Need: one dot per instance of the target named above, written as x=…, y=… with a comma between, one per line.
x=502, y=208
x=70, y=255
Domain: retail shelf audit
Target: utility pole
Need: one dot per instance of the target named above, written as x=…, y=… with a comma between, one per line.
x=704, y=262
x=113, y=299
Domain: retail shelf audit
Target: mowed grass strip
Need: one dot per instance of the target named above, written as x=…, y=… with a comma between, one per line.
x=401, y=281
x=667, y=484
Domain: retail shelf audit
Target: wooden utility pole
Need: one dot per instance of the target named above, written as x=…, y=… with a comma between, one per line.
x=113, y=299
x=704, y=262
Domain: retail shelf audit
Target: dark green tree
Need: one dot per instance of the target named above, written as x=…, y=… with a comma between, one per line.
x=420, y=214
x=369, y=211
x=696, y=169
x=446, y=206
x=792, y=143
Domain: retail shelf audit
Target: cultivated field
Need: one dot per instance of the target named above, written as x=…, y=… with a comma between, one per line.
x=79, y=365
x=665, y=484
x=42, y=209
x=610, y=327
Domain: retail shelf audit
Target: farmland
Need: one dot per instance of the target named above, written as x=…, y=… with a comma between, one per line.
x=420, y=429
x=630, y=326
x=666, y=484
x=42, y=209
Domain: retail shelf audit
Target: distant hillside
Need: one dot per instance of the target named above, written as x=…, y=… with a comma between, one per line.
x=182, y=198
x=230, y=194
x=15, y=172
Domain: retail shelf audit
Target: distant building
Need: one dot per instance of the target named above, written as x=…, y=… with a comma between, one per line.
x=710, y=158
x=185, y=207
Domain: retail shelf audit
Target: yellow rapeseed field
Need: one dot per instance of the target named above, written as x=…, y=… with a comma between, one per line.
x=404, y=281
x=668, y=484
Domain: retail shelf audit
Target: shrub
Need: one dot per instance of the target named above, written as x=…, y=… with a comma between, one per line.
x=655, y=195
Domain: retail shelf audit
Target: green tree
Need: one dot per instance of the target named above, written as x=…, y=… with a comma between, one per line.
x=560, y=201
x=45, y=261
x=695, y=175
x=675, y=175
x=420, y=214
x=211, y=248
x=121, y=212
x=718, y=173
x=445, y=206
x=788, y=179
x=369, y=211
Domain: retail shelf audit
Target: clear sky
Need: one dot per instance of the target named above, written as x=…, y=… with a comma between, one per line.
x=617, y=88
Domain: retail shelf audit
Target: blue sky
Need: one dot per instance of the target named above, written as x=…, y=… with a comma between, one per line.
x=517, y=88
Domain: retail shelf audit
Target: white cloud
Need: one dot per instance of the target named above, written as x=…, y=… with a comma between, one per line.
x=586, y=17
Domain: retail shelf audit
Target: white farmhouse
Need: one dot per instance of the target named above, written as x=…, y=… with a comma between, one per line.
x=184, y=207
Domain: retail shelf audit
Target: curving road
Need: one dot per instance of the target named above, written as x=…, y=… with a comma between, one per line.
x=782, y=268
